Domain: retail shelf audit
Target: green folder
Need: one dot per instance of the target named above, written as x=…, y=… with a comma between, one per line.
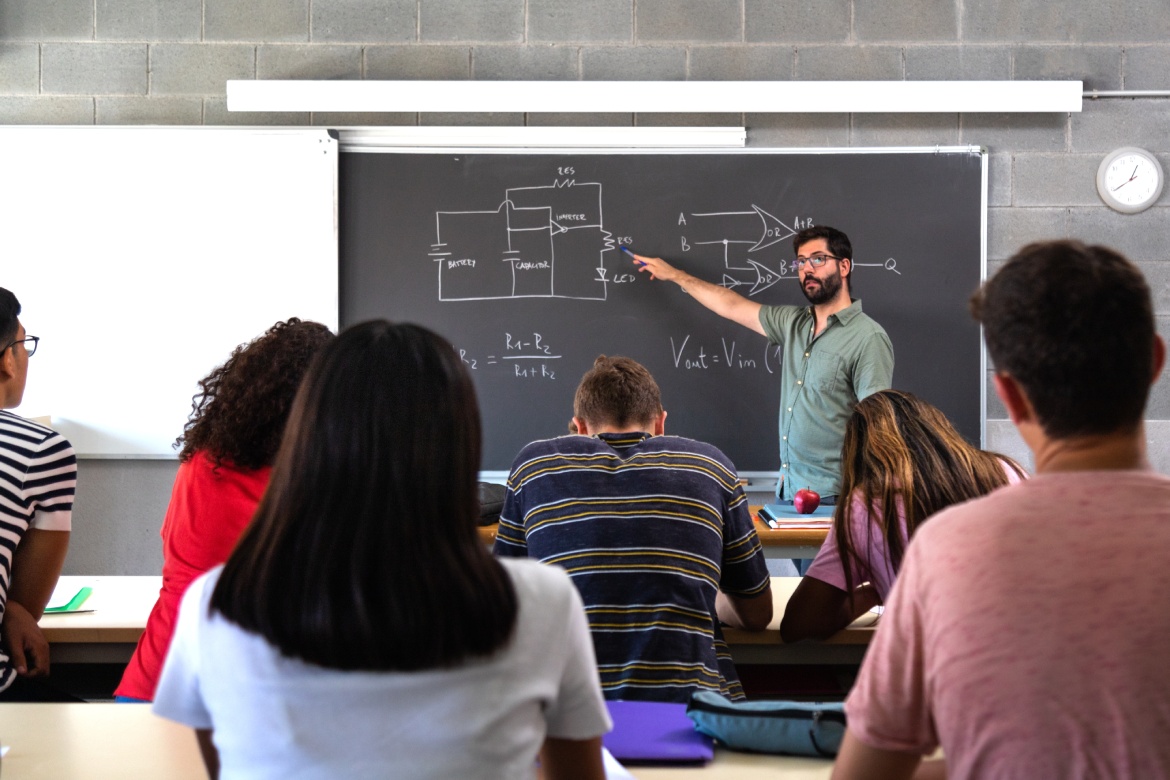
x=75, y=603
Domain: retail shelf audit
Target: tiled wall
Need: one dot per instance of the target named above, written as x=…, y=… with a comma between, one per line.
x=166, y=61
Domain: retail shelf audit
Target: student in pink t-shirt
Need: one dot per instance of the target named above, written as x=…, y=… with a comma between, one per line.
x=1027, y=633
x=899, y=452
x=229, y=444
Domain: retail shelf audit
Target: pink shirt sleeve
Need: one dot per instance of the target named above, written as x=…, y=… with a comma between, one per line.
x=830, y=569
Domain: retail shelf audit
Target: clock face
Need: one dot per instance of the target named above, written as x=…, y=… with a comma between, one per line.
x=1129, y=180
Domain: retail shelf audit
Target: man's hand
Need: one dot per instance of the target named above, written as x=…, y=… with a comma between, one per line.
x=658, y=268
x=23, y=640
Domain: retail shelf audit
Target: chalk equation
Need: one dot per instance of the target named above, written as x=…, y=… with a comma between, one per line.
x=691, y=355
x=526, y=356
x=545, y=241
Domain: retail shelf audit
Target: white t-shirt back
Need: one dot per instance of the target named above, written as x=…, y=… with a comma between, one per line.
x=277, y=717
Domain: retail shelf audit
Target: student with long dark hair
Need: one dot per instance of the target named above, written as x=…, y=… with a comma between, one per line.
x=902, y=461
x=228, y=445
x=360, y=628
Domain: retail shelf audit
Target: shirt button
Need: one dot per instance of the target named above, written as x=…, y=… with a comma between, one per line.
x=800, y=381
x=785, y=438
x=790, y=408
x=806, y=354
x=783, y=465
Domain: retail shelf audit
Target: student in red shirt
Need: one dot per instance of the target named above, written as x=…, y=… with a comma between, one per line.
x=228, y=446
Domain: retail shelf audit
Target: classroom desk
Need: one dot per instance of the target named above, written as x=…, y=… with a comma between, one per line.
x=122, y=604
x=119, y=741
x=777, y=543
x=110, y=632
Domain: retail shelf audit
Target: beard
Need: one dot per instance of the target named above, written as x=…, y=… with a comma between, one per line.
x=823, y=292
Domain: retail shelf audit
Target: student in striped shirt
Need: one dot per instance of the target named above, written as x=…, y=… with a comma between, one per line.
x=38, y=475
x=654, y=531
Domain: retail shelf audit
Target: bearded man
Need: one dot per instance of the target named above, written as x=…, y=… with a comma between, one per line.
x=833, y=355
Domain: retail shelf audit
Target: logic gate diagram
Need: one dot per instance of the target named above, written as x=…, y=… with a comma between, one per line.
x=540, y=242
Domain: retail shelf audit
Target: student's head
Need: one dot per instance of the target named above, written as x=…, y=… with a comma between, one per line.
x=901, y=454
x=14, y=357
x=241, y=408
x=1072, y=326
x=617, y=394
x=822, y=284
x=364, y=552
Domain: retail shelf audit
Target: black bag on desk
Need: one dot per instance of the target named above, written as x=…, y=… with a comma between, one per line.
x=790, y=727
x=491, y=502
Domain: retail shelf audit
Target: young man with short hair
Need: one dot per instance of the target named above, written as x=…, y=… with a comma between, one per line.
x=1027, y=633
x=654, y=531
x=38, y=476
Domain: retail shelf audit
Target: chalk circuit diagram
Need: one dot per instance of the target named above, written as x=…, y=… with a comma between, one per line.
x=758, y=273
x=540, y=242
x=763, y=270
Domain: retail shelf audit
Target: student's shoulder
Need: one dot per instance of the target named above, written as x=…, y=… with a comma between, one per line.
x=20, y=431
x=533, y=579
x=683, y=445
x=570, y=444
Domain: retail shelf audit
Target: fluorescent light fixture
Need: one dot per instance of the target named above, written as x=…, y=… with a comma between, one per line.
x=376, y=138
x=803, y=97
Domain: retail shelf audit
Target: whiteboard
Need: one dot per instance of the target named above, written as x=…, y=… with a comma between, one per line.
x=142, y=256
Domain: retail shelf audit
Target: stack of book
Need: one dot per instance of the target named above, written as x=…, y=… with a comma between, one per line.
x=786, y=516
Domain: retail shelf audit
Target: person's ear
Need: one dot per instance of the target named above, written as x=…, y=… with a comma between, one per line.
x=8, y=363
x=1019, y=408
x=660, y=424
x=1159, y=357
x=582, y=426
x=847, y=267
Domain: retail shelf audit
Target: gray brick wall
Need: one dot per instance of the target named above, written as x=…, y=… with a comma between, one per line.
x=166, y=61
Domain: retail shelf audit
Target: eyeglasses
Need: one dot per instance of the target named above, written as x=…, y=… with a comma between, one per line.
x=816, y=260
x=26, y=341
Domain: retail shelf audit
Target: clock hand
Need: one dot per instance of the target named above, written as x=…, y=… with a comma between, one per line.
x=1119, y=186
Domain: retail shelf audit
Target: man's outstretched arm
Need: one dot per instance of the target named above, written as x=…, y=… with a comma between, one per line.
x=720, y=300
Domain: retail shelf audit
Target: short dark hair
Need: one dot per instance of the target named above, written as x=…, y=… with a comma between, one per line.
x=239, y=413
x=839, y=245
x=617, y=391
x=9, y=311
x=1074, y=326
x=364, y=553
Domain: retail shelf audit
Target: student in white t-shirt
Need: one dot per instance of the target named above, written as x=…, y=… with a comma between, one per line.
x=360, y=629
x=902, y=461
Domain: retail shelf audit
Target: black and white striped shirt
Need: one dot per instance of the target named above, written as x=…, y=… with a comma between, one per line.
x=38, y=476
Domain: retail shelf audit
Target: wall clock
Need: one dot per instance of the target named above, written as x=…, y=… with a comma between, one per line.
x=1129, y=180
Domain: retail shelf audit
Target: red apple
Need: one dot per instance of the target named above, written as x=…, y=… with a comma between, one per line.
x=806, y=501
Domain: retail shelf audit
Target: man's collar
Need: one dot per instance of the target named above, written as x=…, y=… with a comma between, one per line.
x=849, y=312
x=626, y=439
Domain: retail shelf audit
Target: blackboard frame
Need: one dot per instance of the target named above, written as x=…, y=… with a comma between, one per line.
x=976, y=269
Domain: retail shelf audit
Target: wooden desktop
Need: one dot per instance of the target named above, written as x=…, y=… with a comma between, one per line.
x=118, y=741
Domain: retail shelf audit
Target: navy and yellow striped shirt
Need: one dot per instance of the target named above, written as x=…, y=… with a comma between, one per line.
x=649, y=528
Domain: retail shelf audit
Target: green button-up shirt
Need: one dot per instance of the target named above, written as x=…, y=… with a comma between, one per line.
x=820, y=381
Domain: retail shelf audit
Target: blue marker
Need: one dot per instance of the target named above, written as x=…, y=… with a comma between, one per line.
x=631, y=254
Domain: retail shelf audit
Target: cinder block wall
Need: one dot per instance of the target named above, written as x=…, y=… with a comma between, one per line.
x=166, y=61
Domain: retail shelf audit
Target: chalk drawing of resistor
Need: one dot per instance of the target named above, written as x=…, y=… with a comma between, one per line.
x=540, y=242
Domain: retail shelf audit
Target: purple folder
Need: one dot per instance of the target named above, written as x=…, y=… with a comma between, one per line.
x=651, y=732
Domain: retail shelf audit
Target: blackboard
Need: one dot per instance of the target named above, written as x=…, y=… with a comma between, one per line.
x=513, y=257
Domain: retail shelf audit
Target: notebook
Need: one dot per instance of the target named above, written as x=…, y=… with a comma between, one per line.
x=786, y=516
x=651, y=732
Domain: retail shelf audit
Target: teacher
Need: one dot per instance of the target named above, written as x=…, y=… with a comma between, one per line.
x=832, y=355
